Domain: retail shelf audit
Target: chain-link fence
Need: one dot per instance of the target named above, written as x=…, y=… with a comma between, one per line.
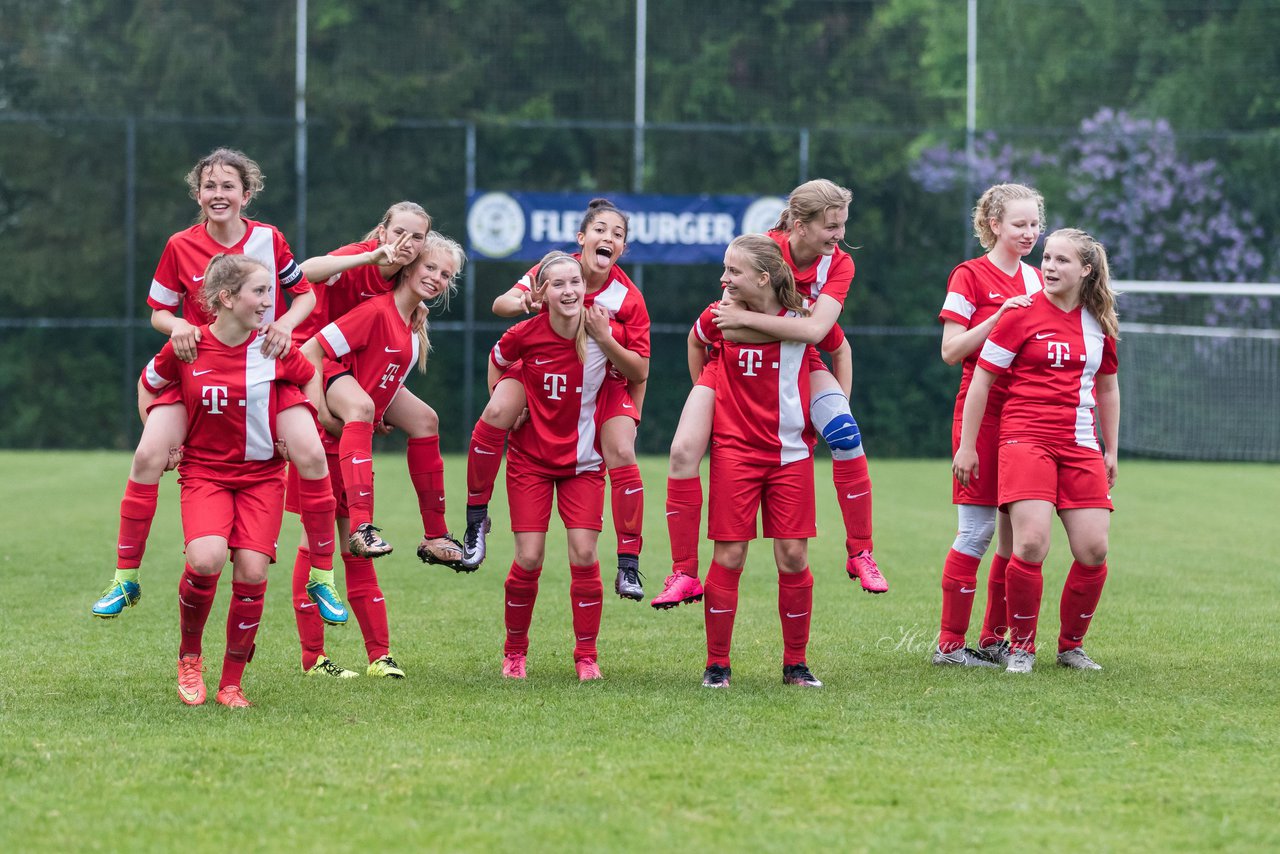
x=1156, y=133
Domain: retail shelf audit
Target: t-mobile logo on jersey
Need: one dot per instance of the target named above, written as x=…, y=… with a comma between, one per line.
x=1059, y=351
x=215, y=397
x=389, y=375
x=553, y=384
x=749, y=359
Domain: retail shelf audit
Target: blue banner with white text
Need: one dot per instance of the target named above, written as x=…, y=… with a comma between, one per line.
x=514, y=226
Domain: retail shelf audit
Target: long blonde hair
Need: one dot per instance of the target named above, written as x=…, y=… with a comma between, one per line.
x=435, y=242
x=226, y=274
x=764, y=256
x=994, y=202
x=554, y=258
x=1095, y=292
x=811, y=200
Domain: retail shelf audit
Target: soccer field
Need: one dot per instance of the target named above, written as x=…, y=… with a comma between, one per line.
x=1166, y=749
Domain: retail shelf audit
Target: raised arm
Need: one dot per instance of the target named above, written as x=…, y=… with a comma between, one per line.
x=516, y=302
x=958, y=342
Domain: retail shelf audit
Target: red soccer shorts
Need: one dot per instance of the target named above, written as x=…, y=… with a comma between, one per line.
x=983, y=490
x=246, y=514
x=707, y=377
x=739, y=489
x=615, y=401
x=1068, y=476
x=815, y=360
x=579, y=497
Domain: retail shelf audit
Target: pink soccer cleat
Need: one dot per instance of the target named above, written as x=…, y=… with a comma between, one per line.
x=232, y=697
x=513, y=665
x=862, y=566
x=678, y=589
x=588, y=670
x=191, y=679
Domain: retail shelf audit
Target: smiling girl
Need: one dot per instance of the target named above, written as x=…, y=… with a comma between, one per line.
x=1060, y=356
x=762, y=455
x=230, y=473
x=556, y=451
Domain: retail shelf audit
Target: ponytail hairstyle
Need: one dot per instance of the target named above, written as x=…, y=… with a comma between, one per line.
x=811, y=200
x=764, y=256
x=226, y=274
x=1096, y=294
x=992, y=205
x=435, y=242
x=554, y=259
x=399, y=207
x=249, y=171
x=595, y=208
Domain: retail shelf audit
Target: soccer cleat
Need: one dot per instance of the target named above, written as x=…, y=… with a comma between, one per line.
x=798, y=674
x=385, y=666
x=365, y=542
x=997, y=653
x=628, y=583
x=716, y=676
x=862, y=566
x=473, y=543
x=1076, y=659
x=117, y=597
x=328, y=602
x=324, y=666
x=961, y=657
x=678, y=589
x=232, y=697
x=588, y=670
x=1020, y=661
x=444, y=551
x=513, y=665
x=191, y=679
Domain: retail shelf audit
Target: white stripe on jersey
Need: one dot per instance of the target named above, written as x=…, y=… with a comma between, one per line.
x=161, y=294
x=498, y=359
x=154, y=380
x=1093, y=340
x=996, y=355
x=593, y=371
x=824, y=267
x=526, y=281
x=957, y=304
x=259, y=373
x=261, y=246
x=336, y=340
x=697, y=330
x=1030, y=280
x=611, y=297
x=791, y=410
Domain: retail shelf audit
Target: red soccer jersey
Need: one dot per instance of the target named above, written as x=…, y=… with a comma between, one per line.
x=830, y=274
x=1051, y=357
x=762, y=395
x=231, y=399
x=180, y=273
x=376, y=344
x=559, y=439
x=975, y=290
x=621, y=298
x=340, y=293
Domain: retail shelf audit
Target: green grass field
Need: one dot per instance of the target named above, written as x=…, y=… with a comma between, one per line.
x=1172, y=747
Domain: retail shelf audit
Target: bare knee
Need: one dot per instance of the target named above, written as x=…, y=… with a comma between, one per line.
x=731, y=555
x=792, y=556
